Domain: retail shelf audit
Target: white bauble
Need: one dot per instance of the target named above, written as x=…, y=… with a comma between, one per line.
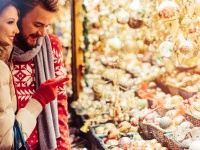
x=194, y=145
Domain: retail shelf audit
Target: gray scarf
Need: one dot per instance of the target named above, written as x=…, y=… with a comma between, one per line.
x=48, y=127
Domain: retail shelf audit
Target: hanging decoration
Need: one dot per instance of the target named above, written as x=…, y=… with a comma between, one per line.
x=86, y=44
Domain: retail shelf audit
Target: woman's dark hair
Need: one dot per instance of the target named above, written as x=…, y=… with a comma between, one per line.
x=5, y=3
x=4, y=51
x=25, y=6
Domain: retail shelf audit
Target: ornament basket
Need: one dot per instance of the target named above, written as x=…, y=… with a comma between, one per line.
x=100, y=139
x=97, y=138
x=186, y=94
x=158, y=133
x=173, y=90
x=162, y=85
x=180, y=91
x=172, y=144
x=168, y=88
x=145, y=129
x=150, y=102
x=194, y=120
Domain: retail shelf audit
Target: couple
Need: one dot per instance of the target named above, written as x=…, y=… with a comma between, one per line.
x=31, y=76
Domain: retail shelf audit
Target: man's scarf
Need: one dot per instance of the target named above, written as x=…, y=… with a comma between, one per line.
x=44, y=69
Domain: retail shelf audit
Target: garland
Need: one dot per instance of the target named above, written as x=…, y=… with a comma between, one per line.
x=86, y=43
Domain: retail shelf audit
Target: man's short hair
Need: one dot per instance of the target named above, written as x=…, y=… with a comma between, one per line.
x=26, y=6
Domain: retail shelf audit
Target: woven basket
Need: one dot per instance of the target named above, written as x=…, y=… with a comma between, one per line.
x=172, y=144
x=173, y=90
x=185, y=94
x=150, y=102
x=145, y=129
x=194, y=120
x=158, y=133
x=96, y=139
x=92, y=129
x=180, y=91
x=163, y=86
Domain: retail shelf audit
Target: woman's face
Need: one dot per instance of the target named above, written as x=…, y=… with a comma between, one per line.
x=8, y=25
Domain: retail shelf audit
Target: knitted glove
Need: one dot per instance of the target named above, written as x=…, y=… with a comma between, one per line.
x=48, y=90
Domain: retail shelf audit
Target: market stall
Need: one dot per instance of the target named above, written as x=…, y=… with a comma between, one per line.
x=140, y=80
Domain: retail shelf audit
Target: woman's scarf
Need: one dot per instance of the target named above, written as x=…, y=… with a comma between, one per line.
x=48, y=127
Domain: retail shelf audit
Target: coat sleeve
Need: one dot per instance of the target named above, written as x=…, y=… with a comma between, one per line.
x=7, y=112
x=25, y=116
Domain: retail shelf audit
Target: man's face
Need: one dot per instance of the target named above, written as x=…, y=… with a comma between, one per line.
x=33, y=25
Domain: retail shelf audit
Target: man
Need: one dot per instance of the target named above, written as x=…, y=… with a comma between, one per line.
x=36, y=58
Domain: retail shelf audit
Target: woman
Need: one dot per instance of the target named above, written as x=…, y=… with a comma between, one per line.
x=8, y=27
x=8, y=104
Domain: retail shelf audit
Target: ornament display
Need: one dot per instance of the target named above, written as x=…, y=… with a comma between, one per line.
x=144, y=59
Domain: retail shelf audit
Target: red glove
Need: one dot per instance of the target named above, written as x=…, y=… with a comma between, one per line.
x=48, y=90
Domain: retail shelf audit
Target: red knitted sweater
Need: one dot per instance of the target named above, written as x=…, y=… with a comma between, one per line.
x=24, y=81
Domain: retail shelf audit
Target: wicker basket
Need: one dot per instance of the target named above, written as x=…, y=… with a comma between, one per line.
x=180, y=91
x=162, y=85
x=96, y=139
x=194, y=120
x=150, y=102
x=158, y=133
x=186, y=94
x=92, y=129
x=172, y=144
x=145, y=129
x=173, y=90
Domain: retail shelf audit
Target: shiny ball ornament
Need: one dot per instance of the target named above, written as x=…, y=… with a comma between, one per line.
x=99, y=130
x=168, y=10
x=192, y=28
x=135, y=23
x=124, y=126
x=114, y=43
x=197, y=7
x=194, y=145
x=141, y=104
x=130, y=46
x=186, y=48
x=195, y=133
x=166, y=48
x=111, y=142
x=150, y=118
x=113, y=134
x=176, y=99
x=109, y=126
x=165, y=122
x=122, y=17
x=125, y=143
x=178, y=120
x=134, y=121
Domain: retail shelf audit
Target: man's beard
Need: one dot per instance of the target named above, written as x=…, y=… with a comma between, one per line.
x=23, y=42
